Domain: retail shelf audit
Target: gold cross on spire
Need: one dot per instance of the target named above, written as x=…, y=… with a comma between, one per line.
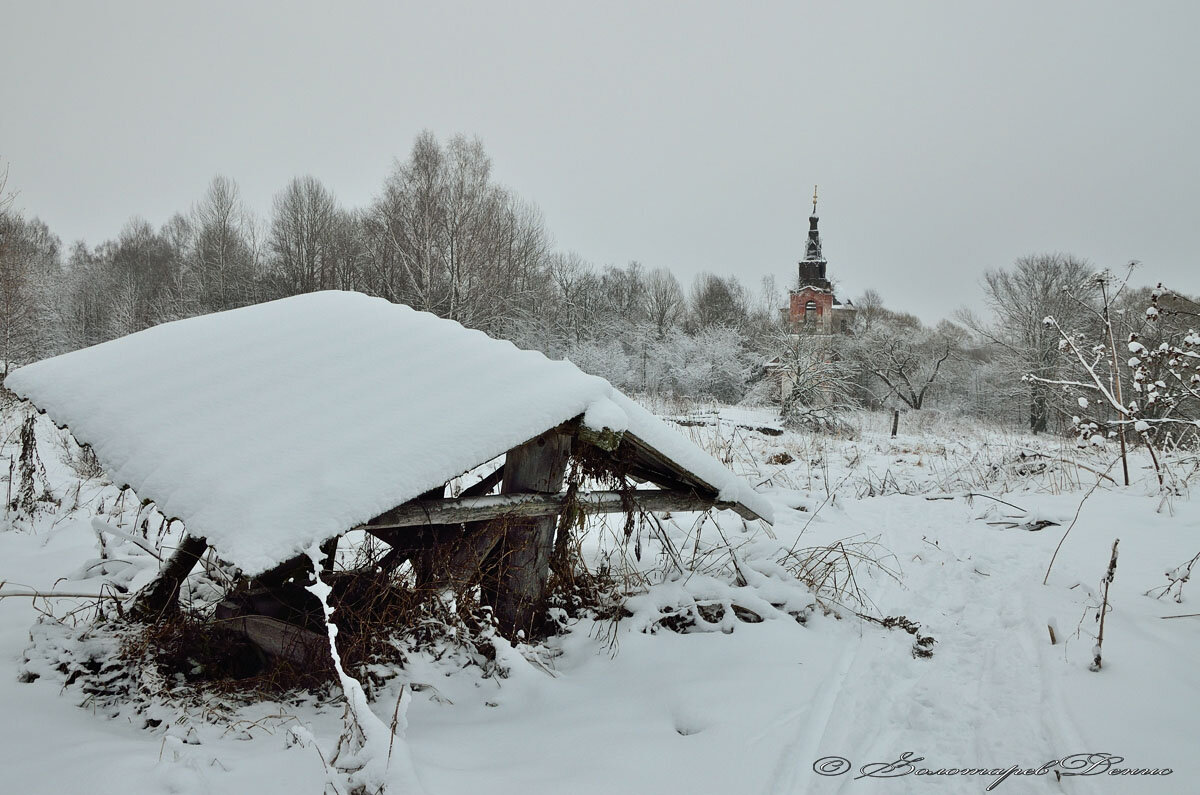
x=814, y=199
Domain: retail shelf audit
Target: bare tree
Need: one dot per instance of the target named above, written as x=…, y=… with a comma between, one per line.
x=1160, y=403
x=664, y=300
x=577, y=297
x=30, y=271
x=224, y=250
x=1020, y=298
x=623, y=292
x=444, y=238
x=303, y=236
x=14, y=283
x=179, y=296
x=139, y=267
x=717, y=301
x=870, y=306
x=904, y=355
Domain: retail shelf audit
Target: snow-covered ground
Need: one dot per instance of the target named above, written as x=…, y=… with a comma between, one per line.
x=738, y=707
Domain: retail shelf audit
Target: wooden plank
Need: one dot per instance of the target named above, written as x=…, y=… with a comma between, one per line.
x=421, y=513
x=539, y=465
x=459, y=563
x=329, y=550
x=646, y=463
x=654, y=461
x=281, y=639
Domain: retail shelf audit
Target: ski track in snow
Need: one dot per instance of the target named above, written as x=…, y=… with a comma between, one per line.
x=983, y=700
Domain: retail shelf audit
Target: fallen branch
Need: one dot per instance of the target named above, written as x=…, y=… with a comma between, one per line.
x=1089, y=469
x=102, y=527
x=62, y=594
x=970, y=494
x=766, y=430
x=1072, y=463
x=1067, y=532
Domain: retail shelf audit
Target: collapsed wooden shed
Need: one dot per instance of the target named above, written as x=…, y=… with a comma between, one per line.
x=273, y=428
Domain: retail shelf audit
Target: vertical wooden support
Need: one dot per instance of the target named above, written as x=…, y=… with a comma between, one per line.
x=424, y=556
x=523, y=569
x=329, y=551
x=162, y=594
x=895, y=422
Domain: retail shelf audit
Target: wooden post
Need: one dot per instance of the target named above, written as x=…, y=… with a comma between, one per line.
x=329, y=550
x=162, y=594
x=423, y=555
x=523, y=563
x=895, y=422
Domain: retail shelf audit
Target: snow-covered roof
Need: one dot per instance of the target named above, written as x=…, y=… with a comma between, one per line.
x=268, y=428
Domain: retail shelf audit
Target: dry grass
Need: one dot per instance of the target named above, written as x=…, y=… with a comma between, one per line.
x=833, y=571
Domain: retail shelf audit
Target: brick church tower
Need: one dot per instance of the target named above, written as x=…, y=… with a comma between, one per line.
x=812, y=306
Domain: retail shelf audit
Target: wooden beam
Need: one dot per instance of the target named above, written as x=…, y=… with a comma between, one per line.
x=421, y=513
x=486, y=485
x=606, y=439
x=653, y=461
x=650, y=458
x=479, y=489
x=161, y=595
x=521, y=561
x=299, y=567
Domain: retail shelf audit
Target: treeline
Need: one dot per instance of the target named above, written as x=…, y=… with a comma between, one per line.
x=444, y=237
x=441, y=236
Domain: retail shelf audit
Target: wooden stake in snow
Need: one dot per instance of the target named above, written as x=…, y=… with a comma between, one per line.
x=1108, y=578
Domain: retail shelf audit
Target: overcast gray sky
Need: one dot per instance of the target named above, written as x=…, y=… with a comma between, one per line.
x=947, y=137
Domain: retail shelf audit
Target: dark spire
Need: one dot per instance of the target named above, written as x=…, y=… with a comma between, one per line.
x=812, y=251
x=812, y=267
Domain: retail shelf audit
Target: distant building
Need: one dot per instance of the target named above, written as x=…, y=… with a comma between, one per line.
x=802, y=372
x=812, y=307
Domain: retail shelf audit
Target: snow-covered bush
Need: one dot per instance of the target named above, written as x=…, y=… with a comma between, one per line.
x=28, y=488
x=711, y=364
x=1130, y=391
x=816, y=383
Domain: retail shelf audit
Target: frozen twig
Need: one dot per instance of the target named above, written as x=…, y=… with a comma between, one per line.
x=1067, y=532
x=1108, y=578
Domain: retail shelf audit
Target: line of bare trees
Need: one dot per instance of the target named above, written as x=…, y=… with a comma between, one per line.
x=443, y=236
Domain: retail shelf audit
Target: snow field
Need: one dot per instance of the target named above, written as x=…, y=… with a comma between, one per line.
x=746, y=710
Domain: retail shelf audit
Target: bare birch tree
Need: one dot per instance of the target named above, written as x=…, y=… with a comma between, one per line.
x=303, y=237
x=1020, y=298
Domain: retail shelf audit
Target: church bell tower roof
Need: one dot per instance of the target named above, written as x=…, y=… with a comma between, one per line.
x=812, y=267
